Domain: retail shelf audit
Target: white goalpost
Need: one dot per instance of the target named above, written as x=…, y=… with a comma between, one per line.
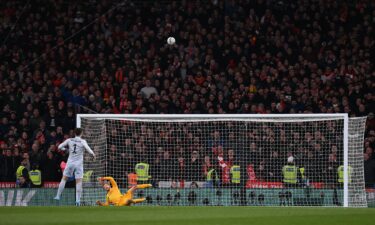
x=229, y=159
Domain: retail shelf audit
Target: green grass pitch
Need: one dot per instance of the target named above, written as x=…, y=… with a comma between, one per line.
x=185, y=215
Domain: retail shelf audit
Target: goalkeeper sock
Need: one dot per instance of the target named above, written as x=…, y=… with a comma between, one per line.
x=61, y=188
x=138, y=200
x=78, y=191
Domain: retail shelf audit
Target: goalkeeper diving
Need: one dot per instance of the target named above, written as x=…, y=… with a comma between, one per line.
x=114, y=196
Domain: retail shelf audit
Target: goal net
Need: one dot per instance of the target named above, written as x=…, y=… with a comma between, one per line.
x=259, y=160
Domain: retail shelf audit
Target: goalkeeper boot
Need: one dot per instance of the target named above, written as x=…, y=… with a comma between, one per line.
x=57, y=198
x=78, y=203
x=141, y=186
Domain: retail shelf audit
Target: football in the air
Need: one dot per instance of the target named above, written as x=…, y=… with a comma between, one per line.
x=171, y=40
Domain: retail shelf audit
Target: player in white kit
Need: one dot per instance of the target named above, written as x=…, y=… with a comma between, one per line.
x=74, y=166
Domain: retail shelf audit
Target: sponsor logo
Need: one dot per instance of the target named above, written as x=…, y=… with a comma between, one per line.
x=7, y=184
x=16, y=197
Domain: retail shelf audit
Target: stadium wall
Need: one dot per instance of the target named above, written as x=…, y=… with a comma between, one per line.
x=165, y=197
x=44, y=197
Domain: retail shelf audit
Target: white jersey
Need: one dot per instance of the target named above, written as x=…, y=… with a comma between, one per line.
x=76, y=147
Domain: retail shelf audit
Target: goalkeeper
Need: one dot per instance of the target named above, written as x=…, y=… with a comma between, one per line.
x=114, y=196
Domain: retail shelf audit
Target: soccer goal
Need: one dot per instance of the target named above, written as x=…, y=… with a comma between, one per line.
x=241, y=159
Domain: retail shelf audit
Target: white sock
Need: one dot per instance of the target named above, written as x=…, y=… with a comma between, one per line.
x=61, y=188
x=78, y=191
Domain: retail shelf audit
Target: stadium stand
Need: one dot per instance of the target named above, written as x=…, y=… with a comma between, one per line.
x=59, y=58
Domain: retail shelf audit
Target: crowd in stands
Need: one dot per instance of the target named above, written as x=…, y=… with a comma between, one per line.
x=59, y=58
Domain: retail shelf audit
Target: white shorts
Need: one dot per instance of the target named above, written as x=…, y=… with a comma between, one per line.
x=76, y=170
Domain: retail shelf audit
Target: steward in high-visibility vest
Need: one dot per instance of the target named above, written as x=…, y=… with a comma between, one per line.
x=36, y=177
x=302, y=172
x=340, y=174
x=212, y=175
x=19, y=172
x=235, y=173
x=290, y=174
x=212, y=178
x=142, y=171
x=303, y=179
x=22, y=175
x=87, y=176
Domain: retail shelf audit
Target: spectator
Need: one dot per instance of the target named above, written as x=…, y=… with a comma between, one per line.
x=3, y=167
x=181, y=168
x=167, y=165
x=280, y=61
x=112, y=157
x=9, y=165
x=35, y=120
x=193, y=167
x=274, y=167
x=52, y=121
x=156, y=168
x=216, y=140
x=330, y=170
x=207, y=166
x=35, y=154
x=369, y=169
x=51, y=168
x=69, y=121
x=24, y=127
x=4, y=126
x=40, y=131
x=126, y=152
x=148, y=90
x=17, y=156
